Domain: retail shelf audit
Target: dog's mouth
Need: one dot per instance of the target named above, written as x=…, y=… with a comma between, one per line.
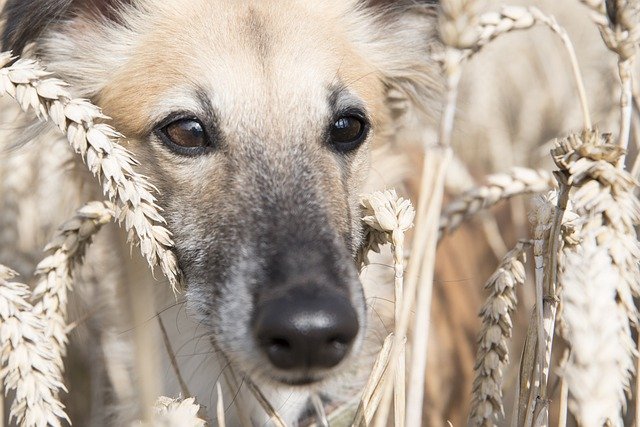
x=304, y=381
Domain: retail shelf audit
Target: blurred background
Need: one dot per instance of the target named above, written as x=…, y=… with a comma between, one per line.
x=517, y=95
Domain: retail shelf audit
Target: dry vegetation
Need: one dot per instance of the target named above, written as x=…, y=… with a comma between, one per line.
x=565, y=354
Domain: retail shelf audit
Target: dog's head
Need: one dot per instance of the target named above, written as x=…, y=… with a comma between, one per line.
x=254, y=119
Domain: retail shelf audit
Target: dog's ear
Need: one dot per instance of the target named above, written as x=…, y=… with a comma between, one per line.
x=408, y=37
x=25, y=20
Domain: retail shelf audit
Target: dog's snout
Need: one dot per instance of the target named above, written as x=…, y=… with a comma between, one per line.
x=302, y=330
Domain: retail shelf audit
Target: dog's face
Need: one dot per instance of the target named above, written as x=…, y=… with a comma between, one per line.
x=254, y=119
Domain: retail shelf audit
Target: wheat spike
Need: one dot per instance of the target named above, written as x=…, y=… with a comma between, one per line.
x=458, y=23
x=29, y=84
x=36, y=401
x=618, y=23
x=55, y=272
x=500, y=187
x=497, y=325
x=600, y=276
x=174, y=413
x=29, y=364
x=599, y=368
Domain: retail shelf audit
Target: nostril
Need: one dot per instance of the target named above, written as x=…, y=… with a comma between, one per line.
x=280, y=343
x=279, y=351
x=338, y=342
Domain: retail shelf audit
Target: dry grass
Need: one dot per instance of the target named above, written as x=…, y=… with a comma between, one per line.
x=584, y=245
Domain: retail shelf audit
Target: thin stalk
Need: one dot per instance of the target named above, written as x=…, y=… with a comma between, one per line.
x=626, y=104
x=370, y=400
x=232, y=383
x=220, y=407
x=399, y=394
x=424, y=248
x=528, y=371
x=425, y=245
x=139, y=302
x=420, y=342
x=172, y=358
x=321, y=415
x=547, y=303
x=541, y=341
x=516, y=406
x=275, y=418
x=551, y=22
x=564, y=393
x=1, y=405
x=564, y=397
x=145, y=363
x=638, y=386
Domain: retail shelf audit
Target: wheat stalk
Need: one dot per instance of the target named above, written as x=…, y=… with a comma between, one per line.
x=318, y=407
x=548, y=218
x=502, y=186
x=493, y=351
x=274, y=416
x=385, y=212
x=220, y=417
x=453, y=15
x=29, y=84
x=372, y=391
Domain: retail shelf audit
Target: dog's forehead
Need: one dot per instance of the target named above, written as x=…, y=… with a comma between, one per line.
x=264, y=59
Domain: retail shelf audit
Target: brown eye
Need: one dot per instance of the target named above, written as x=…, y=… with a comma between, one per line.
x=186, y=134
x=347, y=133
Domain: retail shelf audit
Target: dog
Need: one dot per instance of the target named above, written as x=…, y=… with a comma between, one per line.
x=255, y=120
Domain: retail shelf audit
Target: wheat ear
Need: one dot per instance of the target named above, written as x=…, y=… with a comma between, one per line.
x=600, y=276
x=618, y=22
x=36, y=395
x=497, y=325
x=55, y=272
x=29, y=84
x=502, y=186
x=599, y=368
x=174, y=412
x=29, y=364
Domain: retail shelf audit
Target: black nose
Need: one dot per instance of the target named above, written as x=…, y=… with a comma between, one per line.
x=303, y=329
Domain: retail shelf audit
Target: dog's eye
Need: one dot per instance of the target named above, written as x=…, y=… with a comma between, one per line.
x=186, y=134
x=348, y=132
